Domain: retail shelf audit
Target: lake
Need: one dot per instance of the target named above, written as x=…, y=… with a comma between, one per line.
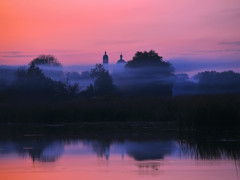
x=137, y=153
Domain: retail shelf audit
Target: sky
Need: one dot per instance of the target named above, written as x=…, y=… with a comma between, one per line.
x=80, y=31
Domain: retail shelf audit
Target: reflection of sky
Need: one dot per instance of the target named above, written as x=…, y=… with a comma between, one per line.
x=118, y=161
x=157, y=149
x=51, y=151
x=147, y=150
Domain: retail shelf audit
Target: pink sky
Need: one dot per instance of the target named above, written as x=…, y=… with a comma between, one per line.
x=78, y=32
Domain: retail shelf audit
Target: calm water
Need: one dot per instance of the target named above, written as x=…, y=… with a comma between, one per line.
x=43, y=156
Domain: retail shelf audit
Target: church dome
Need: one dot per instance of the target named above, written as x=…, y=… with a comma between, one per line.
x=105, y=58
x=121, y=60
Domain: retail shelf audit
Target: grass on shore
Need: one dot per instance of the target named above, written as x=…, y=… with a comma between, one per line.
x=200, y=112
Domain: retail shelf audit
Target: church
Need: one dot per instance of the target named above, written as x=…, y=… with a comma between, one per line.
x=105, y=59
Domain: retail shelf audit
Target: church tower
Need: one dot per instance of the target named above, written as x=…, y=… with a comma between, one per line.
x=105, y=58
x=121, y=60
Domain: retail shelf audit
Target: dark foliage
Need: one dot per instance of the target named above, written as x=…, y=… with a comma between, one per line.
x=201, y=114
x=103, y=84
x=212, y=82
x=149, y=75
x=48, y=60
x=32, y=85
x=88, y=93
x=143, y=59
x=97, y=71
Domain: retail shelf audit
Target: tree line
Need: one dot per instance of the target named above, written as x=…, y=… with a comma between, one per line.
x=147, y=74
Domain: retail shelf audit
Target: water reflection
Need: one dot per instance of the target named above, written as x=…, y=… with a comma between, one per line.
x=49, y=150
x=207, y=149
x=49, y=144
x=42, y=150
x=150, y=150
x=77, y=154
x=101, y=148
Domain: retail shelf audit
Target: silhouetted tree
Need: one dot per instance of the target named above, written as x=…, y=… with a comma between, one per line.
x=103, y=84
x=149, y=74
x=90, y=91
x=210, y=82
x=97, y=71
x=143, y=59
x=46, y=60
x=71, y=89
x=31, y=84
x=34, y=71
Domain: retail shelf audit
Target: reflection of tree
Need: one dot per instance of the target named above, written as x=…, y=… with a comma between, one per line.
x=204, y=149
x=101, y=148
x=151, y=168
x=140, y=151
x=154, y=146
x=38, y=150
x=47, y=153
x=149, y=165
x=150, y=150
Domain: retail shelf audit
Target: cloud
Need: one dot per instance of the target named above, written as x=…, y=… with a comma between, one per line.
x=227, y=19
x=10, y=52
x=117, y=42
x=216, y=51
x=192, y=66
x=18, y=56
x=235, y=43
x=15, y=54
x=234, y=12
x=208, y=51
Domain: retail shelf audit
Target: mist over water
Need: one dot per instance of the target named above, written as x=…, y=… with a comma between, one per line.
x=185, y=80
